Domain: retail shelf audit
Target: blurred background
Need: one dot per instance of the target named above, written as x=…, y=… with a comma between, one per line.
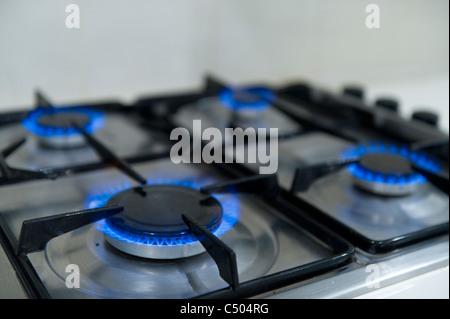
x=129, y=48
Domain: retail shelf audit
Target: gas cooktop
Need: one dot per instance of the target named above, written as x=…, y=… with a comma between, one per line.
x=94, y=206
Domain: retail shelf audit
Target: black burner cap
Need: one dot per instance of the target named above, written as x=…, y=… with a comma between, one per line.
x=157, y=209
x=64, y=120
x=386, y=164
x=245, y=96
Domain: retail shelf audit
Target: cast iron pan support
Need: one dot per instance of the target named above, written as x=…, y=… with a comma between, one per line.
x=11, y=175
x=224, y=256
x=305, y=176
x=36, y=233
x=42, y=101
x=440, y=180
x=109, y=157
x=264, y=185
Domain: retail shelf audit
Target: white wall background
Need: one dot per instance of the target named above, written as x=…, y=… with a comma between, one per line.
x=126, y=48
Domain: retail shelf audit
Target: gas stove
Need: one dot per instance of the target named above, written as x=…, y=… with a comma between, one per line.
x=93, y=205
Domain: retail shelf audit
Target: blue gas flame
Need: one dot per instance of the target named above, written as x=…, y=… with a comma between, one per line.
x=230, y=207
x=420, y=159
x=227, y=98
x=31, y=123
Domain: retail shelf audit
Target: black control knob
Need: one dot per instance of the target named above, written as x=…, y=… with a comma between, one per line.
x=388, y=104
x=426, y=117
x=354, y=91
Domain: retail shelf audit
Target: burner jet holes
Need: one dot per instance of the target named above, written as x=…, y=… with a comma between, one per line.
x=256, y=146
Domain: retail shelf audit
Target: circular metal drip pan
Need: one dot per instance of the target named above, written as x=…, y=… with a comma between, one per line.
x=109, y=273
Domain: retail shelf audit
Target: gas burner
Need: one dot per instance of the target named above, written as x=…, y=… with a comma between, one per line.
x=57, y=127
x=247, y=103
x=151, y=225
x=387, y=169
x=152, y=216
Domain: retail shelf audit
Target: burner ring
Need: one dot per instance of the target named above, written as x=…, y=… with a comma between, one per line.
x=385, y=174
x=54, y=126
x=387, y=169
x=151, y=225
x=247, y=99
